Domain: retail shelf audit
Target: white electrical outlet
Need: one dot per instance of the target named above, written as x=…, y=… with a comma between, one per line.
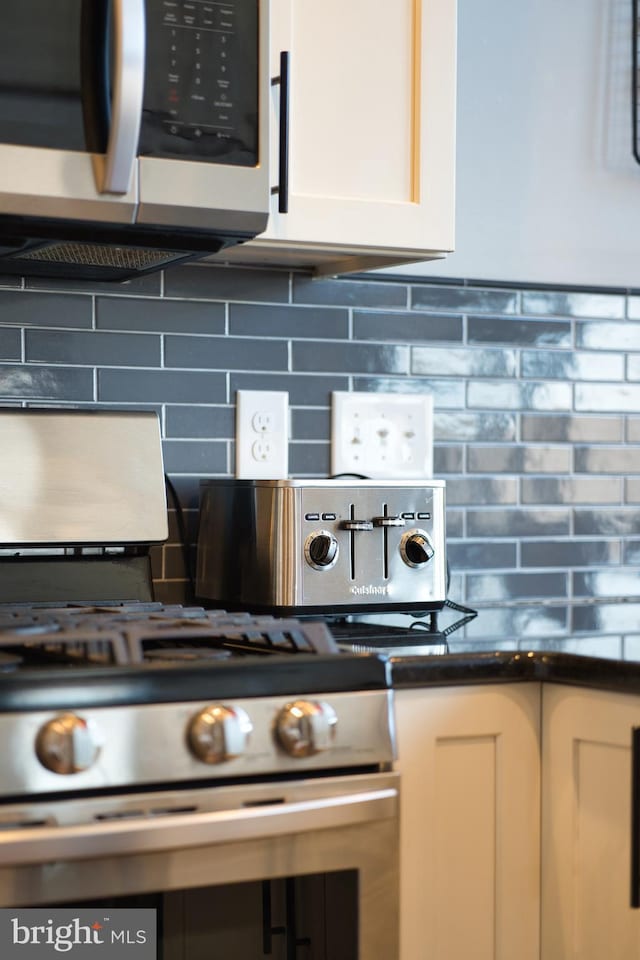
x=262, y=435
x=382, y=435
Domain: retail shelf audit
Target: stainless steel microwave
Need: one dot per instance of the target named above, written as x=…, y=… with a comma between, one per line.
x=133, y=133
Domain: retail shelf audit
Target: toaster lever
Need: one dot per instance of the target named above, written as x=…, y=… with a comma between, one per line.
x=357, y=525
x=388, y=522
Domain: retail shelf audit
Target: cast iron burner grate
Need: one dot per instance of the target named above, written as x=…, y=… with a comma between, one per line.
x=145, y=634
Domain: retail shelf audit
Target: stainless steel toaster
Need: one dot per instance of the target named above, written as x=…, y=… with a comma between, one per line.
x=322, y=546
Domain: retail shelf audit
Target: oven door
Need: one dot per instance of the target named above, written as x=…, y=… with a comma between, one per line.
x=304, y=869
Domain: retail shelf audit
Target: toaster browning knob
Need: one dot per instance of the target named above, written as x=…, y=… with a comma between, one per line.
x=67, y=744
x=416, y=548
x=306, y=727
x=321, y=550
x=219, y=733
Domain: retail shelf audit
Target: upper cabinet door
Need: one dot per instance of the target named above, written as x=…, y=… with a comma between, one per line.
x=372, y=124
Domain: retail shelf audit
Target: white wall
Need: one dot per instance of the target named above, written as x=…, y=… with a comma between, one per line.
x=547, y=188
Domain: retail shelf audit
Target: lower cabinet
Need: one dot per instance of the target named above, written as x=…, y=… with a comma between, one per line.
x=470, y=822
x=586, y=825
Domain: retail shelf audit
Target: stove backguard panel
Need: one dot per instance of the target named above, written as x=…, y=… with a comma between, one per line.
x=81, y=477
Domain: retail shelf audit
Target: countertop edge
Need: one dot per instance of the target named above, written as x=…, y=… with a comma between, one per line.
x=466, y=669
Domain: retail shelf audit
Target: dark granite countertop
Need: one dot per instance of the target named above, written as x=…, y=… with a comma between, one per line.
x=512, y=666
x=418, y=659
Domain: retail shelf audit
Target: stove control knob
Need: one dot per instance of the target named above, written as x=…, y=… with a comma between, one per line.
x=306, y=727
x=219, y=733
x=67, y=744
x=321, y=550
x=416, y=548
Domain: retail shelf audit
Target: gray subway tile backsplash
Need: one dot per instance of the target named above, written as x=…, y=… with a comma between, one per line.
x=310, y=424
x=10, y=344
x=160, y=386
x=446, y=393
x=159, y=316
x=312, y=391
x=511, y=330
x=35, y=382
x=205, y=282
x=536, y=411
x=572, y=429
x=23, y=309
x=92, y=348
x=439, y=361
x=605, y=459
x=518, y=459
x=474, y=426
x=601, y=335
x=368, y=325
x=349, y=357
x=201, y=457
x=607, y=397
x=225, y=353
x=519, y=395
x=565, y=304
x=607, y=522
x=564, y=365
x=515, y=586
x=519, y=522
x=476, y=555
x=571, y=553
x=285, y=320
x=199, y=422
x=546, y=490
x=349, y=293
x=464, y=299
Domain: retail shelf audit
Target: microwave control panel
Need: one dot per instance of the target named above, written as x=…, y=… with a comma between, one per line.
x=201, y=81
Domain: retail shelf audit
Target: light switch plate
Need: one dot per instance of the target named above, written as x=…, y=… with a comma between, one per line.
x=382, y=435
x=262, y=435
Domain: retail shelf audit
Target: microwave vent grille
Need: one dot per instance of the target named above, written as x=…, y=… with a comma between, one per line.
x=101, y=255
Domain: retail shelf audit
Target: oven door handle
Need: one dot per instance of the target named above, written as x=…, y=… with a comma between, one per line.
x=38, y=845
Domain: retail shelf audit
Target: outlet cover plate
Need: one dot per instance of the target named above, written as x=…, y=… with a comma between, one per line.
x=382, y=435
x=262, y=435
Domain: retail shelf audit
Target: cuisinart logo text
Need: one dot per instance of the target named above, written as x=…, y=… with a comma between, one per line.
x=370, y=590
x=38, y=934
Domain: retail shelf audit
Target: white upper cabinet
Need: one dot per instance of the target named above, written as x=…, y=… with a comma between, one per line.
x=371, y=133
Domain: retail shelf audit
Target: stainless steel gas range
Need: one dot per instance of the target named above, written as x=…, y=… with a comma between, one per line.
x=232, y=772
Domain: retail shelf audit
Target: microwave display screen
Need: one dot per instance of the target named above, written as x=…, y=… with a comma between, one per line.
x=201, y=81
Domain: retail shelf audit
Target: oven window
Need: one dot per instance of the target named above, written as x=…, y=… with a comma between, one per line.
x=40, y=102
x=307, y=918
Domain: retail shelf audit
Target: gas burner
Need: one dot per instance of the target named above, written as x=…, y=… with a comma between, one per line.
x=186, y=654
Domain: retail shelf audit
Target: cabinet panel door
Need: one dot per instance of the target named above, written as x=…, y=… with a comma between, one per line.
x=586, y=834
x=372, y=122
x=470, y=796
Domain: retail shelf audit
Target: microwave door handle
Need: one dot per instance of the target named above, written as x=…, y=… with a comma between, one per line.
x=127, y=96
x=94, y=72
